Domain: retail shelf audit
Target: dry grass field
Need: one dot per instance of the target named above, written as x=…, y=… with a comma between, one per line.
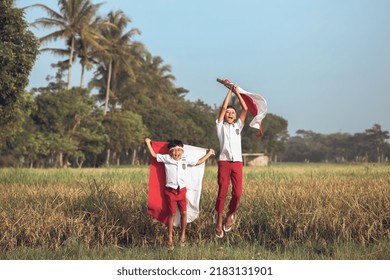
x=317, y=210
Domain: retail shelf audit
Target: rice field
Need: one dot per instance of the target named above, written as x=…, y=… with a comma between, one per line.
x=287, y=211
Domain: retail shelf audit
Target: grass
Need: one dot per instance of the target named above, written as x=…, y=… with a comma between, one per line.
x=288, y=211
x=210, y=251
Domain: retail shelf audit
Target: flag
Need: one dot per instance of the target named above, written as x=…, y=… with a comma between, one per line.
x=157, y=207
x=256, y=103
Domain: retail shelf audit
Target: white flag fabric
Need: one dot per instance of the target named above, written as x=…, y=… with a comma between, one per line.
x=194, y=186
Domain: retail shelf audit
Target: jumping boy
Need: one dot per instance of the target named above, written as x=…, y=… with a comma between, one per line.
x=230, y=160
x=176, y=181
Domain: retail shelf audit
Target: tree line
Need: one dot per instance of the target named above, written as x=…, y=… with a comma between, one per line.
x=368, y=146
x=131, y=95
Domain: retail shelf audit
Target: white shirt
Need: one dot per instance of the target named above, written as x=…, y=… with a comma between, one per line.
x=176, y=170
x=229, y=136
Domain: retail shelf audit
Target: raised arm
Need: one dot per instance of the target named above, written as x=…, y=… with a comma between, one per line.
x=149, y=145
x=224, y=106
x=244, y=107
x=206, y=156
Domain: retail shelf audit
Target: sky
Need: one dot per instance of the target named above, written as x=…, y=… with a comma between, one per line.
x=322, y=65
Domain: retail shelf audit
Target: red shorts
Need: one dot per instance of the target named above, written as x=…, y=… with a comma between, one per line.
x=175, y=197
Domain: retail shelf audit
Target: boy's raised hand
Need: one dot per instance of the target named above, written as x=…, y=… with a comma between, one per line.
x=235, y=88
x=148, y=141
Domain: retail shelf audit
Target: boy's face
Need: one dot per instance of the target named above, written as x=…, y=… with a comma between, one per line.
x=176, y=153
x=230, y=115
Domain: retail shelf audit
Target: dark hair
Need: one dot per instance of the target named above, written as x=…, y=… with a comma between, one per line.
x=230, y=106
x=174, y=142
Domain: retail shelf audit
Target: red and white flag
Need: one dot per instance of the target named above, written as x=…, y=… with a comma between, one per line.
x=256, y=103
x=157, y=207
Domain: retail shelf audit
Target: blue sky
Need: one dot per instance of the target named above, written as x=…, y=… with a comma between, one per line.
x=322, y=65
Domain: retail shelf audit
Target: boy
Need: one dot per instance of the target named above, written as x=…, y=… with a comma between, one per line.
x=175, y=186
x=230, y=160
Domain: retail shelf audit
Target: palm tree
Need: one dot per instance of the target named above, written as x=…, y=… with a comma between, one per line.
x=159, y=77
x=90, y=43
x=119, y=53
x=73, y=22
x=154, y=82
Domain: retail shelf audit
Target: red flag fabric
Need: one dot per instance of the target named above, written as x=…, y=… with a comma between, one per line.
x=157, y=207
x=256, y=103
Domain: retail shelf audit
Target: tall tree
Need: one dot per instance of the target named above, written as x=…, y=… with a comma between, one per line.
x=118, y=54
x=18, y=51
x=126, y=131
x=31, y=145
x=69, y=119
x=90, y=43
x=153, y=82
x=376, y=137
x=157, y=78
x=72, y=23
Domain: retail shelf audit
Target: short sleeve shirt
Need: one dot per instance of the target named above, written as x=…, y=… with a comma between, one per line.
x=229, y=136
x=176, y=170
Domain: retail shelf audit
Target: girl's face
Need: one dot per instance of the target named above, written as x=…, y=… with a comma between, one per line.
x=230, y=115
x=176, y=153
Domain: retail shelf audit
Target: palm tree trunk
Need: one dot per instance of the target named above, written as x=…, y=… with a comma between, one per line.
x=108, y=87
x=70, y=62
x=82, y=75
x=60, y=161
x=108, y=153
x=134, y=157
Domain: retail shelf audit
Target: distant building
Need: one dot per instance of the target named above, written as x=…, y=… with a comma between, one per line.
x=255, y=159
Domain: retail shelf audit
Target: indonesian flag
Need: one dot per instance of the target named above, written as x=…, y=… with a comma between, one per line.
x=256, y=103
x=157, y=207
